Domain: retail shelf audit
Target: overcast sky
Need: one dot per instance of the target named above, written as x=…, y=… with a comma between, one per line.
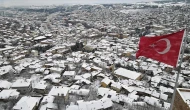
x=59, y=2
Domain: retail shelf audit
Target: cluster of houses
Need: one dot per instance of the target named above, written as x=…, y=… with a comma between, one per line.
x=84, y=58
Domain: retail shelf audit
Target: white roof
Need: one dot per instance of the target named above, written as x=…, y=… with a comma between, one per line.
x=166, y=105
x=83, y=92
x=163, y=96
x=156, y=79
x=72, y=107
x=54, y=77
x=6, y=48
x=106, y=80
x=49, y=106
x=69, y=73
x=5, y=69
x=96, y=104
x=130, y=89
x=75, y=87
x=21, y=83
x=102, y=91
x=5, y=84
x=151, y=100
x=86, y=75
x=59, y=91
x=40, y=85
x=48, y=99
x=116, y=85
x=39, y=38
x=56, y=69
x=27, y=103
x=10, y=93
x=127, y=73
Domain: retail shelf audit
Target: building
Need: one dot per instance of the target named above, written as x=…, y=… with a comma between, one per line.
x=105, y=82
x=124, y=73
x=116, y=86
x=182, y=99
x=27, y=103
x=69, y=75
x=23, y=86
x=41, y=87
x=9, y=94
x=47, y=103
x=59, y=92
x=102, y=104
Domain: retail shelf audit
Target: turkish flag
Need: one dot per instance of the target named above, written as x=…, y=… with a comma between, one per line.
x=164, y=48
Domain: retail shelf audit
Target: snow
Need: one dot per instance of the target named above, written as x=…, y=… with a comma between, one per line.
x=40, y=85
x=54, y=77
x=6, y=48
x=164, y=96
x=69, y=73
x=185, y=95
x=5, y=69
x=27, y=103
x=75, y=87
x=130, y=89
x=103, y=91
x=39, y=38
x=151, y=100
x=116, y=85
x=72, y=107
x=82, y=92
x=49, y=106
x=21, y=83
x=127, y=73
x=5, y=84
x=96, y=104
x=59, y=91
x=106, y=80
x=47, y=99
x=9, y=93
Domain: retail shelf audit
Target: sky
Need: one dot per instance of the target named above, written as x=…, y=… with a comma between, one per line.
x=60, y=2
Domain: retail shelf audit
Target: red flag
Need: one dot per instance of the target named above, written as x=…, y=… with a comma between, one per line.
x=164, y=48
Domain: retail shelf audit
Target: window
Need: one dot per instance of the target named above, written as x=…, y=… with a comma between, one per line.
x=109, y=96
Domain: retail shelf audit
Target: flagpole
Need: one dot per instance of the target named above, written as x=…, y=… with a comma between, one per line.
x=180, y=57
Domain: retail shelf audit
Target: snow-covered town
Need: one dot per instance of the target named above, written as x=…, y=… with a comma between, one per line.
x=82, y=57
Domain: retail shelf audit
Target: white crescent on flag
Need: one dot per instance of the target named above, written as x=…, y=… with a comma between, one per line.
x=168, y=46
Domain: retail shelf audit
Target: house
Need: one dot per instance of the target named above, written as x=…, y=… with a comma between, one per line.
x=54, y=78
x=4, y=70
x=34, y=53
x=60, y=92
x=124, y=73
x=127, y=88
x=22, y=85
x=69, y=75
x=152, y=101
x=155, y=81
x=47, y=103
x=103, y=91
x=9, y=94
x=5, y=84
x=81, y=92
x=56, y=70
x=105, y=82
x=39, y=38
x=116, y=86
x=104, y=103
x=182, y=99
x=41, y=87
x=27, y=103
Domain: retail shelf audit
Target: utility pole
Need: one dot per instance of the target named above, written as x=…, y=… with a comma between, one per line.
x=180, y=57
